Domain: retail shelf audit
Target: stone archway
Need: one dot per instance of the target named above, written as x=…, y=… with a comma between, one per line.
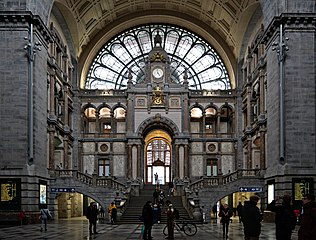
x=158, y=133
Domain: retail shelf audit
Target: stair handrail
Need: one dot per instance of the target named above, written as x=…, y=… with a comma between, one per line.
x=209, y=181
x=94, y=180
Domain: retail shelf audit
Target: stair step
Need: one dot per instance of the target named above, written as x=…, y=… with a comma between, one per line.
x=134, y=208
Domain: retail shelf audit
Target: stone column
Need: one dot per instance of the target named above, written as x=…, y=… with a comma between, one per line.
x=139, y=161
x=66, y=159
x=51, y=132
x=97, y=122
x=262, y=149
x=185, y=114
x=262, y=93
x=66, y=109
x=186, y=160
x=218, y=125
x=176, y=161
x=52, y=93
x=129, y=161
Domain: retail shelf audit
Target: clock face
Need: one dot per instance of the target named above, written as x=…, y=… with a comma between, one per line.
x=157, y=72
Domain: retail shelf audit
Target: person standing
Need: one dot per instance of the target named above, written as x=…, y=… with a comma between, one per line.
x=148, y=219
x=112, y=211
x=92, y=216
x=156, y=178
x=307, y=230
x=170, y=221
x=225, y=214
x=252, y=218
x=240, y=209
x=214, y=210
x=44, y=216
x=285, y=219
x=22, y=217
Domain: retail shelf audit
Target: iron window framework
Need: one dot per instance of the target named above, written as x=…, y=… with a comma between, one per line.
x=129, y=51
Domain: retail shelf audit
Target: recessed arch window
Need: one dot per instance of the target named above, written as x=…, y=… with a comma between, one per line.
x=119, y=113
x=129, y=51
x=89, y=120
x=196, y=113
x=90, y=113
x=105, y=119
x=210, y=120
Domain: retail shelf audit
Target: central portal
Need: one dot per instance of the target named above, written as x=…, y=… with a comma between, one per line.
x=158, y=157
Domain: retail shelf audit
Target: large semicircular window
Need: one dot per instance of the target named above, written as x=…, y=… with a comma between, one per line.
x=129, y=50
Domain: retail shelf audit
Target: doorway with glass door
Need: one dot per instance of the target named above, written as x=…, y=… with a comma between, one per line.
x=158, y=157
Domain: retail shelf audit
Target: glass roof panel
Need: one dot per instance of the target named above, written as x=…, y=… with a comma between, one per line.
x=129, y=50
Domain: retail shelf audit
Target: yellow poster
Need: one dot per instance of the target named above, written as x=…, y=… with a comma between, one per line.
x=8, y=191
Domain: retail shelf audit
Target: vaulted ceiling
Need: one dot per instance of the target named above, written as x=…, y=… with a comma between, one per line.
x=227, y=19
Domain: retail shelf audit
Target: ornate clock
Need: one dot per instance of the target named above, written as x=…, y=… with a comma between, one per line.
x=157, y=74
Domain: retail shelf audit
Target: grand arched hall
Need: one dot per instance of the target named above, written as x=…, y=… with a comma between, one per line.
x=96, y=97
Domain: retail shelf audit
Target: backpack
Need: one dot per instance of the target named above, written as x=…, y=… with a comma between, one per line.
x=176, y=213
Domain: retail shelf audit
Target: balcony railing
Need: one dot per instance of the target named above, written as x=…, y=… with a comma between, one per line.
x=225, y=179
x=91, y=180
x=103, y=135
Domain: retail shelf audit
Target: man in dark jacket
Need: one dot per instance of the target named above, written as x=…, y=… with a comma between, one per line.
x=92, y=215
x=285, y=218
x=307, y=230
x=148, y=218
x=252, y=218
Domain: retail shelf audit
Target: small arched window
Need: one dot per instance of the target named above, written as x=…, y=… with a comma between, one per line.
x=210, y=120
x=105, y=120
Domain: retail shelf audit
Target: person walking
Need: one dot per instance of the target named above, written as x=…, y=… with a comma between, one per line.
x=225, y=214
x=171, y=188
x=252, y=218
x=44, y=216
x=112, y=211
x=92, y=216
x=307, y=230
x=285, y=219
x=148, y=219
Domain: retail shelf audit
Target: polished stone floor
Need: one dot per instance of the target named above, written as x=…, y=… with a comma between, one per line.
x=78, y=229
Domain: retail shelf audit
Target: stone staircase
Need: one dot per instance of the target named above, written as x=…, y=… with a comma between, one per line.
x=135, y=206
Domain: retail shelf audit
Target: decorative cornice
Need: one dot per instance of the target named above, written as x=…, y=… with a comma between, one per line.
x=21, y=18
x=290, y=21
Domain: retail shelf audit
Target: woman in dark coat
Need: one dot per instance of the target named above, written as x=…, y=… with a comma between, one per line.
x=285, y=219
x=148, y=218
x=225, y=213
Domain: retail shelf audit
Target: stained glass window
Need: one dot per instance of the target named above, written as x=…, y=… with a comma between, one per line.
x=129, y=51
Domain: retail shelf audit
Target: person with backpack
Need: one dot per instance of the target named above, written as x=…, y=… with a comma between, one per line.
x=44, y=216
x=112, y=211
x=285, y=218
x=225, y=214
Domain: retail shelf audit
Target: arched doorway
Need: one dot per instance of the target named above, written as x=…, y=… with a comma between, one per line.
x=158, y=156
